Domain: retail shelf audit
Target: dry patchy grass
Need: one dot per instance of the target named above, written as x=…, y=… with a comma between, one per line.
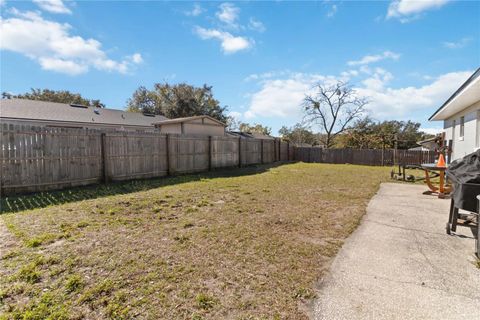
x=250, y=246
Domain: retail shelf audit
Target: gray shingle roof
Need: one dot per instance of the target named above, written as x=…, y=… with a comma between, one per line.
x=41, y=110
x=251, y=135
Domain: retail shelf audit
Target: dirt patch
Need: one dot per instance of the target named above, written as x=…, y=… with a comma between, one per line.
x=7, y=240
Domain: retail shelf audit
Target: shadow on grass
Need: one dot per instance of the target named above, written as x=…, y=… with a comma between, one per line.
x=45, y=199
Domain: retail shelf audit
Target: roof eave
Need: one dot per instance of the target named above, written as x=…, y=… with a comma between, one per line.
x=186, y=119
x=458, y=92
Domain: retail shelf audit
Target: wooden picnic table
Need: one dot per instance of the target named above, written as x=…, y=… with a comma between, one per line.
x=442, y=189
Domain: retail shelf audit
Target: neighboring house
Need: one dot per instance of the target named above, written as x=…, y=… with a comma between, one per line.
x=420, y=148
x=461, y=118
x=197, y=125
x=52, y=114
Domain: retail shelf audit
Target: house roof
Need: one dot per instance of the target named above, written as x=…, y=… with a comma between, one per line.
x=419, y=148
x=61, y=112
x=465, y=96
x=188, y=119
x=251, y=135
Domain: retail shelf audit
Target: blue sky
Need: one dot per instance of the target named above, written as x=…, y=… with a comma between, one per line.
x=260, y=57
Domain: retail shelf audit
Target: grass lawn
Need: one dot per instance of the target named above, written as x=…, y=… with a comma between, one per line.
x=240, y=244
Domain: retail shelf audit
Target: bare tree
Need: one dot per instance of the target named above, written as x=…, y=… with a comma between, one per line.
x=333, y=108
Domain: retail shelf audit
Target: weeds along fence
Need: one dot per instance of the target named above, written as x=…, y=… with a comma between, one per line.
x=373, y=157
x=37, y=159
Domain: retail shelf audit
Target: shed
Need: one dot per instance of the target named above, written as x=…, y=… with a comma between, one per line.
x=419, y=148
x=196, y=125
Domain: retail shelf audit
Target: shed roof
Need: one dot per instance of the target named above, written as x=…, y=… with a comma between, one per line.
x=52, y=111
x=188, y=119
x=251, y=135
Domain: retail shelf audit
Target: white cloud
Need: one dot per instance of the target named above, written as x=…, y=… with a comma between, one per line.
x=278, y=98
x=196, y=11
x=331, y=7
x=390, y=102
x=228, y=14
x=137, y=58
x=267, y=75
x=65, y=66
x=406, y=10
x=229, y=43
x=54, y=48
x=432, y=130
x=332, y=11
x=377, y=81
x=53, y=6
x=374, y=58
x=282, y=96
x=349, y=74
x=458, y=44
x=256, y=25
x=236, y=115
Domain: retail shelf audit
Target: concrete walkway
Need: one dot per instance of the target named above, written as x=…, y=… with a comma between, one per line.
x=400, y=263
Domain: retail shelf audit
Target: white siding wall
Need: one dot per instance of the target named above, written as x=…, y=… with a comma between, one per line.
x=471, y=138
x=194, y=127
x=204, y=129
x=175, y=128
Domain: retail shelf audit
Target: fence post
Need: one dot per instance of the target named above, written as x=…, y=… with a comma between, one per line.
x=239, y=152
x=275, y=150
x=210, y=153
x=261, y=150
x=279, y=150
x=288, y=151
x=169, y=171
x=103, y=140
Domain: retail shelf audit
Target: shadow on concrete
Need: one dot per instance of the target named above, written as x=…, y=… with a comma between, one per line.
x=49, y=198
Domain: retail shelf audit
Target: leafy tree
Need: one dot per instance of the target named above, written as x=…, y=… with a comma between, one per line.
x=333, y=108
x=366, y=133
x=299, y=134
x=255, y=128
x=361, y=135
x=233, y=124
x=61, y=96
x=175, y=101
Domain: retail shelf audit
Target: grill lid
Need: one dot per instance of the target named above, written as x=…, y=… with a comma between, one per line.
x=466, y=169
x=465, y=175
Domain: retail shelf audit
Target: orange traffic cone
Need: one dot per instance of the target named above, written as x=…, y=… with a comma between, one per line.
x=441, y=161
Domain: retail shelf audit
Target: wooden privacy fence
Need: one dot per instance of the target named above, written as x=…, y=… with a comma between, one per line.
x=38, y=159
x=373, y=157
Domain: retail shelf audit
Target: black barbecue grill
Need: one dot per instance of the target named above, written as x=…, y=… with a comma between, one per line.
x=464, y=174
